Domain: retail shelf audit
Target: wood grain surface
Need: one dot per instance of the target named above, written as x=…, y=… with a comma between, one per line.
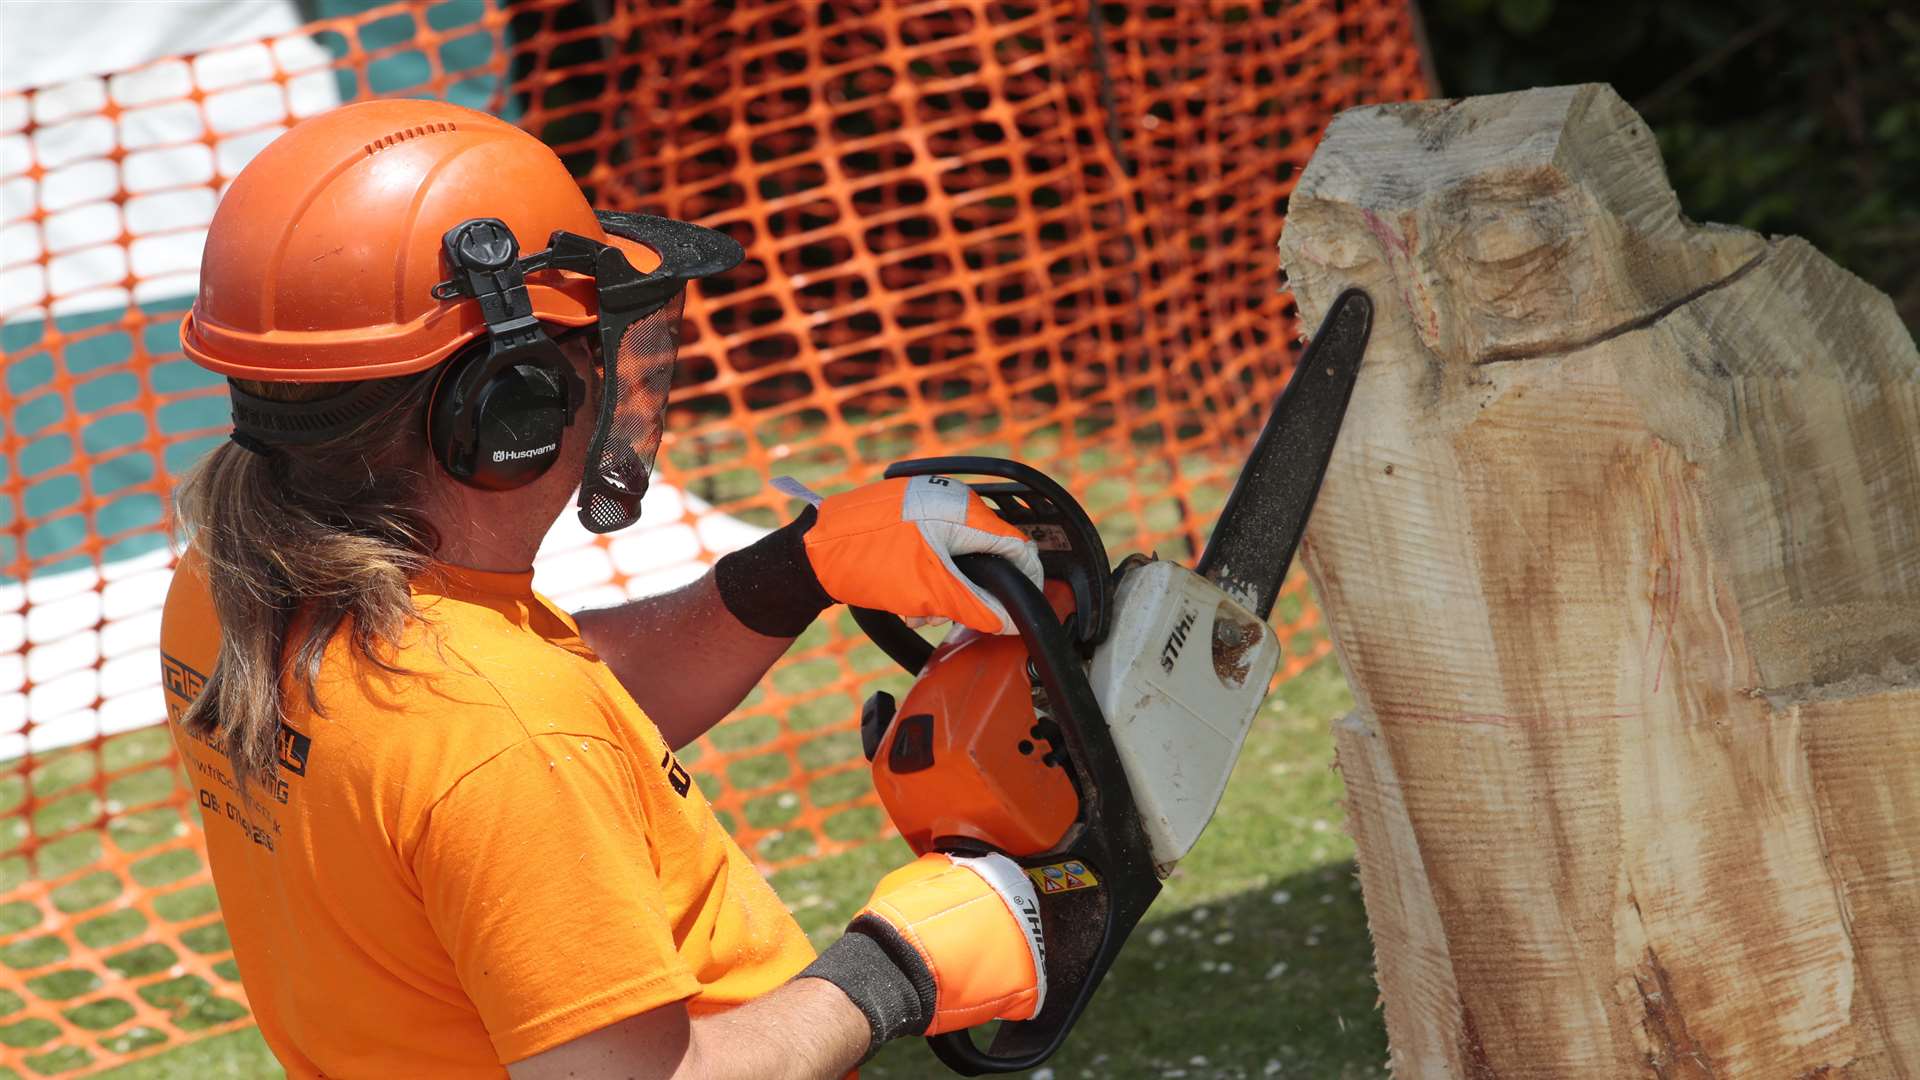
x=1620, y=551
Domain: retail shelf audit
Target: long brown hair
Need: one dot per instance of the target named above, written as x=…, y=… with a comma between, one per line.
x=296, y=542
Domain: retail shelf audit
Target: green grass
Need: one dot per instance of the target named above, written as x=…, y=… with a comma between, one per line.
x=238, y=1055
x=1254, y=962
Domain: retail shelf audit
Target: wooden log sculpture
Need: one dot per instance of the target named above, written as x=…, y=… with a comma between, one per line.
x=1620, y=552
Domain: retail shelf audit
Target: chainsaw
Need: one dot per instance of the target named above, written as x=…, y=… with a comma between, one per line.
x=1093, y=748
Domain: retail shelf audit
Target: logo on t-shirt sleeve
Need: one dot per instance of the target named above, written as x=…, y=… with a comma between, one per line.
x=676, y=774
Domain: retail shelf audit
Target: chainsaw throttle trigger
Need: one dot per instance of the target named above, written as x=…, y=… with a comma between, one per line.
x=895, y=638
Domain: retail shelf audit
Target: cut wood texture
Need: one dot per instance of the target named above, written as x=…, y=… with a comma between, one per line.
x=1620, y=551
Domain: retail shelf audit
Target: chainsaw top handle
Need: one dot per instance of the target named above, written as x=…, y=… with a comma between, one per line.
x=1083, y=928
x=1028, y=499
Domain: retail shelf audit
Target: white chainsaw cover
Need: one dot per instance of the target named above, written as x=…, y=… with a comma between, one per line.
x=1180, y=676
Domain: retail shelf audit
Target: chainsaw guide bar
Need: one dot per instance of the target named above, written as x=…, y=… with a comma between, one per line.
x=1254, y=541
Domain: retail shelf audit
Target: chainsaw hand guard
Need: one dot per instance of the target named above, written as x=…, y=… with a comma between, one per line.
x=1084, y=926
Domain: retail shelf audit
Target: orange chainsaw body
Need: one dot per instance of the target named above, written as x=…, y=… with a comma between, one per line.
x=967, y=756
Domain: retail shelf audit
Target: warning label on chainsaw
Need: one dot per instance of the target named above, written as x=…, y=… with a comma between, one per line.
x=1063, y=877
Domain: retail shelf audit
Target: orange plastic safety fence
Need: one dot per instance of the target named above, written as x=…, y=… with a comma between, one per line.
x=1042, y=230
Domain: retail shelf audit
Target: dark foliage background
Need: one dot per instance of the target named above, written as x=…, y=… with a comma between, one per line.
x=1782, y=116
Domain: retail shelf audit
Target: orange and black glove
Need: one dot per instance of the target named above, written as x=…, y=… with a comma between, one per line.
x=888, y=546
x=946, y=942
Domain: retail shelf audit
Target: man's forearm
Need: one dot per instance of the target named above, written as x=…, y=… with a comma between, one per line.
x=688, y=657
x=682, y=655
x=805, y=1030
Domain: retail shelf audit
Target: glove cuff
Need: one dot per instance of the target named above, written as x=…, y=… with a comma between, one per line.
x=769, y=585
x=883, y=976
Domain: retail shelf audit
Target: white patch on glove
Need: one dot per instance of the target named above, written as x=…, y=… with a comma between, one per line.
x=938, y=506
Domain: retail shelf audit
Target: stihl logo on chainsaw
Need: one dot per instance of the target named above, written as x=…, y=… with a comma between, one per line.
x=1177, y=640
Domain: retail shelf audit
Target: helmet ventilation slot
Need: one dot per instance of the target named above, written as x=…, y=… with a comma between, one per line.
x=403, y=135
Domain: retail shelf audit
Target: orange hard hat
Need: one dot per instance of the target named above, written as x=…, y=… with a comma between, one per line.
x=322, y=258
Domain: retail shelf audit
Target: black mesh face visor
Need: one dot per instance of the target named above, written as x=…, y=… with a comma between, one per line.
x=639, y=331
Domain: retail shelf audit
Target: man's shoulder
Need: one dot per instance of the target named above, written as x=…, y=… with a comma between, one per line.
x=436, y=708
x=465, y=674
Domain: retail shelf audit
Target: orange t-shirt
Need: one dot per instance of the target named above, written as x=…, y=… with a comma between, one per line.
x=469, y=864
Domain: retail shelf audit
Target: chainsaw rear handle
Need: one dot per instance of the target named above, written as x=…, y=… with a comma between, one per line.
x=1083, y=929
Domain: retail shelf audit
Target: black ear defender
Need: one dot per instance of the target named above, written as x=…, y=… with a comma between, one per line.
x=501, y=407
x=499, y=427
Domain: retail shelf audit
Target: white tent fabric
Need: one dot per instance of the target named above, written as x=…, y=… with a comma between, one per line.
x=60, y=63
x=86, y=641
